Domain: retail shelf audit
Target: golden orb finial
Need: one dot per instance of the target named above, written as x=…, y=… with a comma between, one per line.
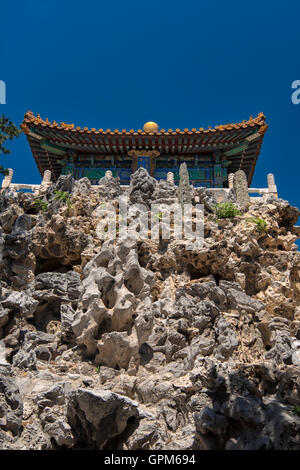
x=150, y=126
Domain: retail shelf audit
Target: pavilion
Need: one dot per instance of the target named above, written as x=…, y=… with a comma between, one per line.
x=210, y=154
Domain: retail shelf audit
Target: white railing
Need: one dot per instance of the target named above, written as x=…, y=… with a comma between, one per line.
x=271, y=190
x=36, y=188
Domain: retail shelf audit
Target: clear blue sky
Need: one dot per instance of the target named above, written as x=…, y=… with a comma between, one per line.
x=180, y=63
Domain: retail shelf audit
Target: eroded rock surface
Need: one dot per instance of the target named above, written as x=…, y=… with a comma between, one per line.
x=147, y=344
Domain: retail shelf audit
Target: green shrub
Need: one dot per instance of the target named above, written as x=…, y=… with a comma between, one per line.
x=226, y=210
x=63, y=196
x=296, y=410
x=261, y=224
x=43, y=205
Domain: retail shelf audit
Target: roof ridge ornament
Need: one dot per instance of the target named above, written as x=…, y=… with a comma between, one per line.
x=151, y=126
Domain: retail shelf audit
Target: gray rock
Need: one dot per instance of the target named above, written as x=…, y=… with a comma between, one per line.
x=113, y=286
x=207, y=199
x=164, y=323
x=204, y=345
x=57, y=286
x=22, y=225
x=239, y=418
x=36, y=345
x=142, y=187
x=3, y=351
x=109, y=188
x=208, y=421
x=22, y=302
x=7, y=198
x=184, y=190
x=61, y=432
x=240, y=186
x=239, y=300
x=97, y=417
x=165, y=193
x=82, y=186
x=11, y=406
x=25, y=359
x=68, y=316
x=34, y=438
x=4, y=316
x=56, y=395
x=281, y=350
x=146, y=436
x=64, y=183
x=227, y=339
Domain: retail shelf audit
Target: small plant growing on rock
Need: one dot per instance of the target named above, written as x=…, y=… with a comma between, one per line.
x=226, y=210
x=261, y=224
x=296, y=410
x=42, y=205
x=63, y=196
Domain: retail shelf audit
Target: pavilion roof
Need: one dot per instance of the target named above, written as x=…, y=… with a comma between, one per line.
x=50, y=139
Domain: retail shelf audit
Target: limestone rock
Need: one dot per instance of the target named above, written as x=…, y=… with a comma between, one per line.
x=184, y=190
x=240, y=186
x=11, y=406
x=142, y=187
x=165, y=193
x=109, y=188
x=207, y=199
x=35, y=346
x=113, y=284
x=126, y=343
x=64, y=183
x=22, y=302
x=97, y=417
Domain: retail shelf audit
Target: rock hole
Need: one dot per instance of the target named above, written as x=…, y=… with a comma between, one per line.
x=45, y=312
x=52, y=265
x=32, y=211
x=134, y=284
x=196, y=273
x=146, y=353
x=104, y=327
x=218, y=278
x=109, y=298
x=117, y=442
